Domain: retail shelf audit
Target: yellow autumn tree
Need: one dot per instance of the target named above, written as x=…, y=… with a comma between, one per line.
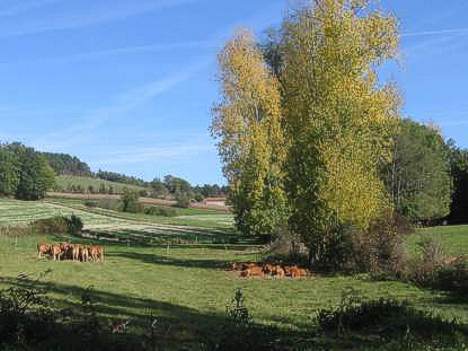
x=247, y=124
x=339, y=118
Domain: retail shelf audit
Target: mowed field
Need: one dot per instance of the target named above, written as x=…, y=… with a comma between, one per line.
x=176, y=268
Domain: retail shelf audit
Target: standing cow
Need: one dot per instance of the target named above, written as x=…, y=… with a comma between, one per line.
x=43, y=249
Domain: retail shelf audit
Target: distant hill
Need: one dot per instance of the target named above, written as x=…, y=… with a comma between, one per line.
x=77, y=184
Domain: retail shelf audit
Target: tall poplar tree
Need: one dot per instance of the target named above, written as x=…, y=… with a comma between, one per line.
x=247, y=124
x=339, y=118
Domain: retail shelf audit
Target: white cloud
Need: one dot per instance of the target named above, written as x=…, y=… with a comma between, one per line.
x=436, y=32
x=96, y=14
x=122, y=104
x=153, y=154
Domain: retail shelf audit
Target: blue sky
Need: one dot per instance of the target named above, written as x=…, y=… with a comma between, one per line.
x=128, y=85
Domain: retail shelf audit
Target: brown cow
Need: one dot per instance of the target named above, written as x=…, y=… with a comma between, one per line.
x=56, y=252
x=84, y=253
x=76, y=252
x=66, y=250
x=93, y=253
x=254, y=271
x=268, y=268
x=100, y=253
x=297, y=272
x=278, y=271
x=42, y=249
x=96, y=253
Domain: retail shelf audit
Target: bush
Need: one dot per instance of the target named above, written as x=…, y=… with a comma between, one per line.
x=58, y=225
x=422, y=269
x=75, y=224
x=434, y=269
x=161, y=211
x=335, y=248
x=389, y=318
x=453, y=278
x=90, y=203
x=380, y=249
x=53, y=225
x=237, y=312
x=25, y=314
x=182, y=199
x=129, y=200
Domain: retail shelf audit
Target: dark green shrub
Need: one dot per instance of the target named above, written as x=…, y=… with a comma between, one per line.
x=335, y=248
x=53, y=225
x=453, y=278
x=25, y=314
x=75, y=224
x=58, y=225
x=237, y=312
x=129, y=199
x=199, y=197
x=161, y=211
x=390, y=319
x=90, y=203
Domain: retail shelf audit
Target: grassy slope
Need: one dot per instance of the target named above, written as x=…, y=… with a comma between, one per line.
x=64, y=181
x=188, y=284
x=453, y=238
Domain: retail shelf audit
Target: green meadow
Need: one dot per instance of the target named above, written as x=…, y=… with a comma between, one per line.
x=186, y=283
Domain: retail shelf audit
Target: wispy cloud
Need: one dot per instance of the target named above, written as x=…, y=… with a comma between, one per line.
x=436, y=32
x=170, y=151
x=122, y=104
x=96, y=14
x=128, y=50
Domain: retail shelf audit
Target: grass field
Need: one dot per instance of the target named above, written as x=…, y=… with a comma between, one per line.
x=188, y=284
x=64, y=182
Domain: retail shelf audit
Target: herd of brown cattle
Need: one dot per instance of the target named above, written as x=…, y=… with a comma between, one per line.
x=275, y=270
x=75, y=252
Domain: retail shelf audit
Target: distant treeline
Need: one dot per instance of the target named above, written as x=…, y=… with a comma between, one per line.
x=27, y=174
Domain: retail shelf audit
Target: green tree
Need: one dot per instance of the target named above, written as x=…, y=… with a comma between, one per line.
x=339, y=118
x=247, y=123
x=176, y=184
x=9, y=172
x=182, y=199
x=418, y=179
x=129, y=200
x=158, y=189
x=36, y=176
x=102, y=188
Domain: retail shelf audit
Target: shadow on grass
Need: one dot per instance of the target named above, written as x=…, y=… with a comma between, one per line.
x=171, y=261
x=179, y=327
x=120, y=239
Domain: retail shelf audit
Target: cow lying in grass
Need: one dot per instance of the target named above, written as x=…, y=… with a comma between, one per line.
x=74, y=252
x=274, y=270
